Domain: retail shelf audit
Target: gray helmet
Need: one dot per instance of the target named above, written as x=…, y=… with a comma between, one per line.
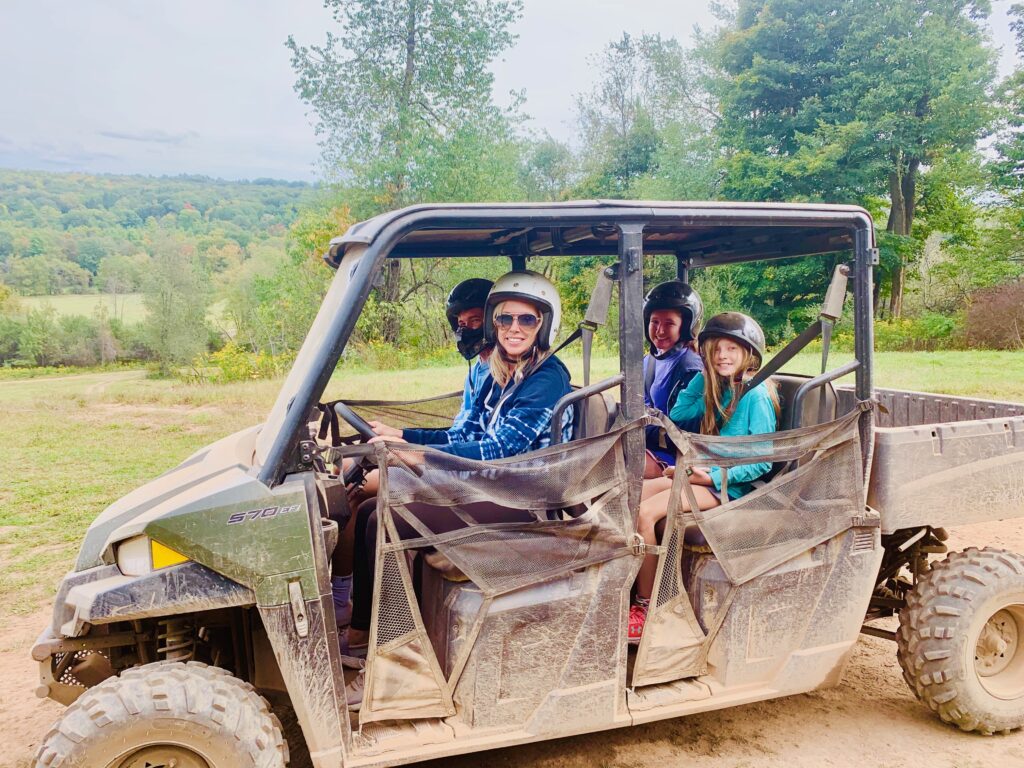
x=677, y=295
x=738, y=327
x=526, y=286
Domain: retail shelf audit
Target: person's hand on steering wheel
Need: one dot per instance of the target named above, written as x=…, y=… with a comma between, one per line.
x=384, y=430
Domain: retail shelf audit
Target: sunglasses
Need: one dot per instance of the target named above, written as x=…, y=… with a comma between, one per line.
x=526, y=321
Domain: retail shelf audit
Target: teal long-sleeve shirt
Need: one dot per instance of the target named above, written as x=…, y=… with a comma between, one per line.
x=755, y=415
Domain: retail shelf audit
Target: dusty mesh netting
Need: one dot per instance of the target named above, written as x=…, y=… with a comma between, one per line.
x=577, y=495
x=817, y=493
x=426, y=413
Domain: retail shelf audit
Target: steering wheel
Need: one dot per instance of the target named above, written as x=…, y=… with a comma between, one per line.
x=357, y=470
x=357, y=422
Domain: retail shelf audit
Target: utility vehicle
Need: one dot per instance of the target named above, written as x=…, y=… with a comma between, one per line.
x=208, y=589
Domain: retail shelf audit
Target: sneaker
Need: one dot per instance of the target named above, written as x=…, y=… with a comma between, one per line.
x=637, y=619
x=347, y=648
x=354, y=691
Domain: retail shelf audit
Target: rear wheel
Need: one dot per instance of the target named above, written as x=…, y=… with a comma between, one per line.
x=167, y=714
x=961, y=640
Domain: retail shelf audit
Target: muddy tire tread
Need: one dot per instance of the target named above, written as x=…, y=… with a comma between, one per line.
x=192, y=691
x=933, y=622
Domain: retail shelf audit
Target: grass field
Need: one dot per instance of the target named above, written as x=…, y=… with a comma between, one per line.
x=72, y=444
x=126, y=307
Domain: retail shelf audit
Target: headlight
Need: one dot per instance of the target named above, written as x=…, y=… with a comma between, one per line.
x=140, y=555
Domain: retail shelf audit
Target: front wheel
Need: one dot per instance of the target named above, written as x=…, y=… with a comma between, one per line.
x=167, y=714
x=961, y=640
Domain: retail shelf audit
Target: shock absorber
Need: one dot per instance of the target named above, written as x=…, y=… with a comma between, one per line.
x=175, y=639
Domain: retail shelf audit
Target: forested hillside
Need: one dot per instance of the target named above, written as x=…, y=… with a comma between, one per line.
x=183, y=242
x=77, y=233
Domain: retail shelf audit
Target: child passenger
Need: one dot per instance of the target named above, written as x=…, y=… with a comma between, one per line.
x=732, y=345
x=673, y=313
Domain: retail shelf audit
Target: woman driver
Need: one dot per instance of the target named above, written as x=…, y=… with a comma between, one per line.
x=521, y=317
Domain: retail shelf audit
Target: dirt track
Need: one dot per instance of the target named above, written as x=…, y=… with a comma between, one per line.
x=871, y=719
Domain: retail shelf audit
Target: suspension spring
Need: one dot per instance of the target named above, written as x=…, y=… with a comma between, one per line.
x=175, y=639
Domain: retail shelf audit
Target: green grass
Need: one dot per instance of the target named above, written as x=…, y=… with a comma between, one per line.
x=126, y=307
x=991, y=375
x=72, y=444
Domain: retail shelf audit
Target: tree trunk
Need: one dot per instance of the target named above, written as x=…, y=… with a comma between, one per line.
x=391, y=290
x=903, y=193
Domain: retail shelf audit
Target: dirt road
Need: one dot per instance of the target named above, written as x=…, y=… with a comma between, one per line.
x=871, y=719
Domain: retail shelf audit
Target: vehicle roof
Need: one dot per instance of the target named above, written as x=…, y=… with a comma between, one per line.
x=739, y=231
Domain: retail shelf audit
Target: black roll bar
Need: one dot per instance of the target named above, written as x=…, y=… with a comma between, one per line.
x=576, y=396
x=817, y=381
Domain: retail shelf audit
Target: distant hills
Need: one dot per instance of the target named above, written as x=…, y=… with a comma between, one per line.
x=57, y=230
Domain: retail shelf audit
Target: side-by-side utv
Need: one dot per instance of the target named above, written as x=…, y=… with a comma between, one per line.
x=205, y=592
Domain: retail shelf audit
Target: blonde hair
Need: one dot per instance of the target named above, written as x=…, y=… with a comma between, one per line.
x=716, y=415
x=503, y=368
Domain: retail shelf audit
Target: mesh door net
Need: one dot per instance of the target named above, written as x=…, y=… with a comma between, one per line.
x=571, y=504
x=818, y=494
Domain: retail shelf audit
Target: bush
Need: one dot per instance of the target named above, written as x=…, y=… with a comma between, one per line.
x=995, y=317
x=927, y=332
x=233, y=363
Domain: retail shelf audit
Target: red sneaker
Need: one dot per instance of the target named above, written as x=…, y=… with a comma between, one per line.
x=637, y=618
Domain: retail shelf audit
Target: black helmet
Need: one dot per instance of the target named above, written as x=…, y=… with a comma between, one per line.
x=469, y=294
x=677, y=295
x=738, y=327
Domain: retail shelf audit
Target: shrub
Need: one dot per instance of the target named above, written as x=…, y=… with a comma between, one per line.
x=927, y=332
x=995, y=317
x=232, y=363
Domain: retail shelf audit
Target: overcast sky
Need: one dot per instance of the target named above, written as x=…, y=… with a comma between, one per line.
x=205, y=87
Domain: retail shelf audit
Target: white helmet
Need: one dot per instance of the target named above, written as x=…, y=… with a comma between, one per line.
x=526, y=286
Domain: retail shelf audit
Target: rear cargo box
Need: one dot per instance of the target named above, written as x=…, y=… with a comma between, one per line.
x=945, y=461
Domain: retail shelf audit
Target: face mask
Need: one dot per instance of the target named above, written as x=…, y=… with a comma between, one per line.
x=469, y=341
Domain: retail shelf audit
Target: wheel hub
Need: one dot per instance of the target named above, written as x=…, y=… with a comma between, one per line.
x=162, y=756
x=997, y=644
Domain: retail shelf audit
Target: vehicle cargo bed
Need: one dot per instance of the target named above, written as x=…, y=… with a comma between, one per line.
x=941, y=460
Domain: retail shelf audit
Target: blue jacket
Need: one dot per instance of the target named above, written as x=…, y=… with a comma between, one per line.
x=664, y=377
x=755, y=415
x=507, y=421
x=478, y=377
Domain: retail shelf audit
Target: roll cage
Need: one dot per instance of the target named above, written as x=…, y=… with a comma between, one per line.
x=697, y=234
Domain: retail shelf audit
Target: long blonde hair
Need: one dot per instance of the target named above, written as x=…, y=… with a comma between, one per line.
x=503, y=368
x=716, y=415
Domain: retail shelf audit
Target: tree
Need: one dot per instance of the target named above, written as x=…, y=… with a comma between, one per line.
x=1008, y=166
x=400, y=83
x=46, y=275
x=549, y=169
x=177, y=297
x=119, y=274
x=271, y=302
x=841, y=102
x=648, y=118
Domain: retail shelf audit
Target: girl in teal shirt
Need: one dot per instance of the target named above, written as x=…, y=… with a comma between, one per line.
x=732, y=345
